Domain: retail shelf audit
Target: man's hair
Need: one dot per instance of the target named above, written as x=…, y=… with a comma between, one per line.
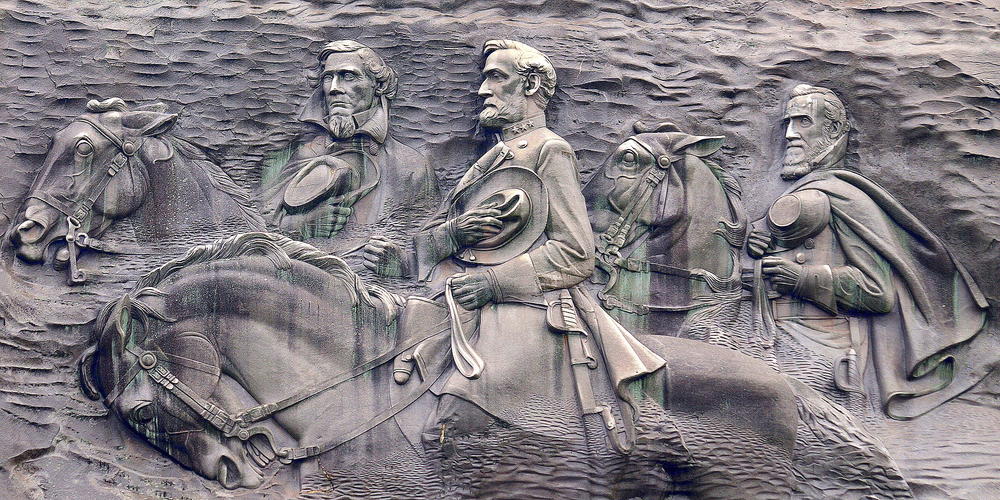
x=386, y=81
x=528, y=61
x=833, y=109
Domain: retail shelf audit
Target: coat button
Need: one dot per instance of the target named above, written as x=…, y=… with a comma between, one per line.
x=809, y=243
x=522, y=144
x=800, y=258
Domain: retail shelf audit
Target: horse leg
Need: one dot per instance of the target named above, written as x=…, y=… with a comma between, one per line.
x=836, y=457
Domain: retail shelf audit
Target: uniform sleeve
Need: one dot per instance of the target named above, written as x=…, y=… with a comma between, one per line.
x=567, y=256
x=864, y=285
x=434, y=242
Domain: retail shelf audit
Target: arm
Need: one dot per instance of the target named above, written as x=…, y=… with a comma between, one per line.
x=567, y=256
x=863, y=285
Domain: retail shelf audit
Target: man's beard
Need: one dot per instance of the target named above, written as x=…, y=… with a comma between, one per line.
x=793, y=170
x=499, y=114
x=342, y=127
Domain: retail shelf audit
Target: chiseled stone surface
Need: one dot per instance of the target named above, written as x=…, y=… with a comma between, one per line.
x=919, y=80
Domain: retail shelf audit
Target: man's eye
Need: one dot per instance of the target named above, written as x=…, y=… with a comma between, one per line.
x=805, y=121
x=349, y=76
x=628, y=157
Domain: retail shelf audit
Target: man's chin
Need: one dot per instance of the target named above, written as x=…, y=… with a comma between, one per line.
x=794, y=171
x=492, y=121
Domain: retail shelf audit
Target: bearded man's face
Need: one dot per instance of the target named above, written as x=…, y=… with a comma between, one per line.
x=349, y=89
x=807, y=136
x=503, y=89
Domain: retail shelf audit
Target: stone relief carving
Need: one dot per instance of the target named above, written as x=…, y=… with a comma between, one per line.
x=349, y=174
x=111, y=163
x=853, y=277
x=551, y=331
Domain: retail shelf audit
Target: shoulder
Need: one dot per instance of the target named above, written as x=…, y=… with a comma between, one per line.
x=549, y=141
x=542, y=144
x=404, y=155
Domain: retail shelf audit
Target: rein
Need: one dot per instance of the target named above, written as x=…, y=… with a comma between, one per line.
x=238, y=426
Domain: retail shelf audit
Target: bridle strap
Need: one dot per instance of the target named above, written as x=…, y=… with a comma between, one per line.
x=261, y=412
x=237, y=426
x=79, y=209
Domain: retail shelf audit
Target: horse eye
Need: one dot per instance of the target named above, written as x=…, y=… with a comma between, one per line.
x=142, y=413
x=628, y=157
x=84, y=148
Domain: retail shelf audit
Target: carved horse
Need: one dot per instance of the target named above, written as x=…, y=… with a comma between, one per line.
x=258, y=351
x=112, y=163
x=671, y=225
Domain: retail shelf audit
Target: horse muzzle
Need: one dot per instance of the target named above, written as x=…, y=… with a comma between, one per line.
x=32, y=237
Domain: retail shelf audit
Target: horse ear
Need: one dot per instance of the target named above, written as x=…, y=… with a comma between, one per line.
x=702, y=146
x=88, y=380
x=149, y=123
x=641, y=127
x=156, y=149
x=156, y=107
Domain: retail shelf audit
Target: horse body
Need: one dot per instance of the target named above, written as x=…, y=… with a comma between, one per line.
x=255, y=318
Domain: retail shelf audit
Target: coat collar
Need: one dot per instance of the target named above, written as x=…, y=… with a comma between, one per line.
x=524, y=126
x=373, y=122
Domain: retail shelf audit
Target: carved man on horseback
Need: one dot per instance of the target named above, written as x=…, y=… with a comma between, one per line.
x=510, y=245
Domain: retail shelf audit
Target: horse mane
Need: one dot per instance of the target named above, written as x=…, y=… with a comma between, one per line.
x=220, y=179
x=281, y=251
x=734, y=231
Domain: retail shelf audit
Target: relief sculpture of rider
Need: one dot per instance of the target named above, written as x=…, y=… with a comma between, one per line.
x=857, y=280
x=349, y=179
x=509, y=247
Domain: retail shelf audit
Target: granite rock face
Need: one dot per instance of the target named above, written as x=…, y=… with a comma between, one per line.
x=919, y=79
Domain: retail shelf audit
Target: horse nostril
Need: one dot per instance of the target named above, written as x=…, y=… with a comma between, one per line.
x=227, y=473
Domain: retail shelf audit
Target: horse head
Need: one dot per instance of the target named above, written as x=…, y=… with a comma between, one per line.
x=147, y=377
x=654, y=148
x=96, y=172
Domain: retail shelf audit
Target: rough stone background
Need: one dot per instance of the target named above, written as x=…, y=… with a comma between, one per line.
x=921, y=80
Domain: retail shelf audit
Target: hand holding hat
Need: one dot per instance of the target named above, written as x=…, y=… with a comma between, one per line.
x=476, y=225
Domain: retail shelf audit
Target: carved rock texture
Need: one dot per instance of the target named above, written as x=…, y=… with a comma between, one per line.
x=920, y=81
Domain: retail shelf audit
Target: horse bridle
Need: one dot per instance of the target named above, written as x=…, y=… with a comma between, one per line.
x=77, y=210
x=238, y=426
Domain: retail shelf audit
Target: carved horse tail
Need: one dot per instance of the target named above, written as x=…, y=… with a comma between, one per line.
x=840, y=453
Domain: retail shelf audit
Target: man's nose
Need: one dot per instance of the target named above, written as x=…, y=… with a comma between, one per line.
x=336, y=86
x=790, y=131
x=484, y=90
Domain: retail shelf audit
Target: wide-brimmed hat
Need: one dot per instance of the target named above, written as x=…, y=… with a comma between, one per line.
x=797, y=216
x=314, y=181
x=524, y=205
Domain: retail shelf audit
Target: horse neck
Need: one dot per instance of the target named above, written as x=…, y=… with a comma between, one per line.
x=693, y=241
x=276, y=336
x=190, y=194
